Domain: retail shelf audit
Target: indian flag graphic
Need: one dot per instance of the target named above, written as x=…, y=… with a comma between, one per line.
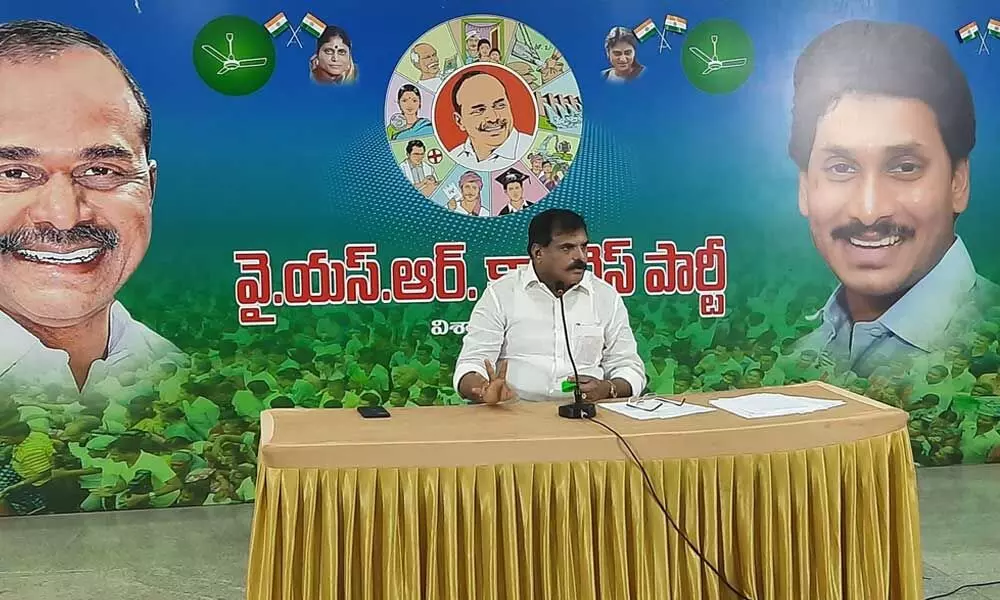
x=968, y=32
x=276, y=24
x=993, y=28
x=645, y=30
x=675, y=24
x=313, y=25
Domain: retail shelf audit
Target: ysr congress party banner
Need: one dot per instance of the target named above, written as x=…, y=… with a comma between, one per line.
x=212, y=209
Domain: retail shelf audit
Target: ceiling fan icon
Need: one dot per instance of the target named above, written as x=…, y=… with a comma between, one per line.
x=230, y=63
x=713, y=62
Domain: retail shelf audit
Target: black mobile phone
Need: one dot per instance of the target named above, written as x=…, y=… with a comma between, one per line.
x=373, y=412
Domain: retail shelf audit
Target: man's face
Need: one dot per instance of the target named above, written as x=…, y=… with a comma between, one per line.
x=952, y=353
x=547, y=168
x=76, y=188
x=880, y=192
x=423, y=356
x=536, y=163
x=936, y=375
x=417, y=156
x=484, y=110
x=753, y=378
x=471, y=44
x=564, y=259
x=980, y=344
x=515, y=192
x=470, y=191
x=806, y=359
x=960, y=364
x=427, y=59
x=766, y=363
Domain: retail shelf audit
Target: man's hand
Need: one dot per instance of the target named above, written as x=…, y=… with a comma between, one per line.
x=496, y=389
x=592, y=389
x=135, y=501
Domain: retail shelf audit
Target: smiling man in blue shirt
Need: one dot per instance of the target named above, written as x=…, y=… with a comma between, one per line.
x=883, y=125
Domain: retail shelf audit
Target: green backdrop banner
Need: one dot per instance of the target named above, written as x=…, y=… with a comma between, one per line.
x=211, y=210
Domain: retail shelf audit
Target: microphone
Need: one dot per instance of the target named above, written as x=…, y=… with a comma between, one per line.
x=578, y=409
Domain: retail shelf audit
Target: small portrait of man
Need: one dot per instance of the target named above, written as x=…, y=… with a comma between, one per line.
x=425, y=58
x=512, y=181
x=470, y=201
x=416, y=170
x=76, y=195
x=882, y=127
x=483, y=113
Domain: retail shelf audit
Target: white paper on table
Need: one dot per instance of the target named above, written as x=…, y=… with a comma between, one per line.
x=666, y=410
x=757, y=406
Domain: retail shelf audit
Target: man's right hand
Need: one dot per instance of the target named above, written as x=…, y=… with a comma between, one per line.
x=496, y=389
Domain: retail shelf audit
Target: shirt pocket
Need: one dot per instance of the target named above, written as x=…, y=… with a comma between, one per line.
x=588, y=343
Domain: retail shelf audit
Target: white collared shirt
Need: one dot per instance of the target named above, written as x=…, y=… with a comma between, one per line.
x=414, y=173
x=25, y=361
x=431, y=83
x=508, y=153
x=518, y=320
x=481, y=213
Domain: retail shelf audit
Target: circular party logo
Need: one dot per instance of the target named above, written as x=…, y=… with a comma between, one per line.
x=483, y=116
x=234, y=55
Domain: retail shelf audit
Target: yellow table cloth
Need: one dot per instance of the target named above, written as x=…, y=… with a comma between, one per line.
x=513, y=502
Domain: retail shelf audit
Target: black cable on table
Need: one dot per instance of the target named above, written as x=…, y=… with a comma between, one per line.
x=666, y=513
x=960, y=588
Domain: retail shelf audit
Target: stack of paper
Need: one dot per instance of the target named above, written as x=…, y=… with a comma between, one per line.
x=666, y=410
x=756, y=406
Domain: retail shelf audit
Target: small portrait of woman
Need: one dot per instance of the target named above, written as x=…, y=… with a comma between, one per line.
x=620, y=45
x=333, y=62
x=408, y=123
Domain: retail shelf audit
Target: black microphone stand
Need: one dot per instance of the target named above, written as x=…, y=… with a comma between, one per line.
x=578, y=409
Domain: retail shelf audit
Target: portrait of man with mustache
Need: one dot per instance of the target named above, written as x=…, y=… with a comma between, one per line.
x=76, y=193
x=883, y=124
x=483, y=112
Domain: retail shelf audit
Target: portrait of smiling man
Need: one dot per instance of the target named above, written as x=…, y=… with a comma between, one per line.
x=882, y=128
x=483, y=112
x=76, y=193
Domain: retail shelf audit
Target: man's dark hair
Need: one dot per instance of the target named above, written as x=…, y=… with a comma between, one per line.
x=549, y=223
x=129, y=444
x=21, y=41
x=883, y=59
x=458, y=85
x=413, y=144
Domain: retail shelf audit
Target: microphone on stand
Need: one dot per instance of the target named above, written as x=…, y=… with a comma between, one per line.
x=578, y=409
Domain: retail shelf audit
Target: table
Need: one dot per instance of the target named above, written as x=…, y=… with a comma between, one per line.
x=513, y=502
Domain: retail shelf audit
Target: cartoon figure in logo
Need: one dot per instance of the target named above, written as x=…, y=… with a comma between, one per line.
x=425, y=58
x=512, y=182
x=408, y=123
x=482, y=111
x=471, y=201
x=418, y=172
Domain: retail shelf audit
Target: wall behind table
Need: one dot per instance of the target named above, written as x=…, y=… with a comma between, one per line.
x=297, y=166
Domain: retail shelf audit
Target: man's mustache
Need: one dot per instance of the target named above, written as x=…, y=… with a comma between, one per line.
x=501, y=122
x=578, y=264
x=24, y=238
x=882, y=228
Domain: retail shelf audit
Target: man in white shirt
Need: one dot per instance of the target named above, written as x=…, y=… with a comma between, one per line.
x=517, y=325
x=416, y=171
x=482, y=110
x=425, y=58
x=76, y=193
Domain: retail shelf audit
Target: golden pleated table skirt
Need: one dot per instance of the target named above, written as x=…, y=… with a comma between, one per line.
x=836, y=522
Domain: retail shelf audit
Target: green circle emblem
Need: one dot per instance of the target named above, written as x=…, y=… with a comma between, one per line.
x=234, y=55
x=717, y=56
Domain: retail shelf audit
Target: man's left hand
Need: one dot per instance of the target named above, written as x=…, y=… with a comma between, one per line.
x=593, y=389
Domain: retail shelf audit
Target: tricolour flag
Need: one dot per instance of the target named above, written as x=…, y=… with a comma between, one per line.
x=675, y=24
x=968, y=32
x=645, y=30
x=276, y=24
x=313, y=25
x=993, y=28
